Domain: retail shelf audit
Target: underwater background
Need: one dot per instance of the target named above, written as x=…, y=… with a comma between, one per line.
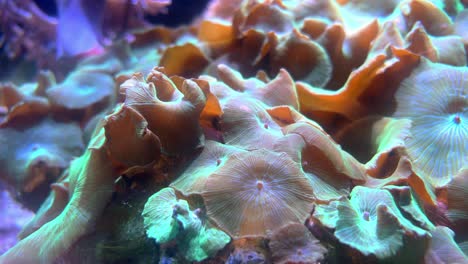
x=233, y=131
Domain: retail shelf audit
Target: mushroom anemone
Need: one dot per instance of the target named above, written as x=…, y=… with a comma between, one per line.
x=363, y=94
x=369, y=222
x=378, y=141
x=279, y=91
x=175, y=121
x=443, y=248
x=435, y=98
x=185, y=60
x=91, y=180
x=310, y=62
x=83, y=92
x=457, y=204
x=330, y=169
x=91, y=185
x=257, y=192
x=408, y=203
x=168, y=218
x=50, y=208
x=212, y=158
x=140, y=147
x=246, y=124
x=157, y=214
x=37, y=155
x=18, y=102
x=294, y=243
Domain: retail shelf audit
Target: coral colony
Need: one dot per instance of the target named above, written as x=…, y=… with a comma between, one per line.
x=261, y=131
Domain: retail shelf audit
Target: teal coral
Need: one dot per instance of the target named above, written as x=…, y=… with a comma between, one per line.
x=369, y=222
x=158, y=216
x=168, y=218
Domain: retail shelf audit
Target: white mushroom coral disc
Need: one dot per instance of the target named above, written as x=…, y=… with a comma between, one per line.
x=435, y=98
x=256, y=192
x=213, y=157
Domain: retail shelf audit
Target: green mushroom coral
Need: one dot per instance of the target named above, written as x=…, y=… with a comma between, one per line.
x=370, y=222
x=158, y=220
x=167, y=219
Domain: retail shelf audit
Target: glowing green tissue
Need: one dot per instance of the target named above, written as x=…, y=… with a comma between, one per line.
x=158, y=213
x=206, y=243
x=197, y=242
x=166, y=219
x=327, y=214
x=408, y=203
x=372, y=223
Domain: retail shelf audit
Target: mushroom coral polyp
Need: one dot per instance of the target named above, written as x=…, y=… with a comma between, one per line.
x=263, y=131
x=371, y=222
x=439, y=111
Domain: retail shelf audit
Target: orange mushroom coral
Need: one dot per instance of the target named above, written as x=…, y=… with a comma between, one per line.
x=443, y=49
x=360, y=96
x=324, y=10
x=270, y=164
x=223, y=9
x=435, y=20
x=186, y=60
x=265, y=17
x=389, y=35
x=219, y=35
x=404, y=175
x=387, y=161
x=270, y=39
x=174, y=122
x=16, y=103
x=377, y=141
x=279, y=91
x=303, y=58
x=347, y=51
x=141, y=147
